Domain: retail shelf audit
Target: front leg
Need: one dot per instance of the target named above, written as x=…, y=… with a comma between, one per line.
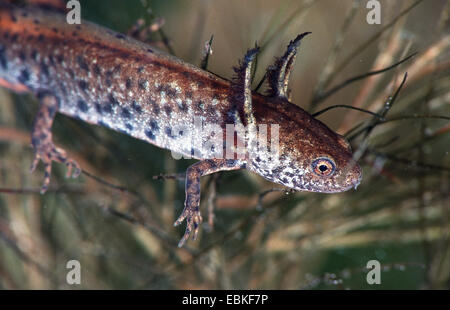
x=41, y=140
x=191, y=210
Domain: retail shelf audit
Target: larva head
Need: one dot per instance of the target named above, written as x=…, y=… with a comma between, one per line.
x=311, y=156
x=328, y=167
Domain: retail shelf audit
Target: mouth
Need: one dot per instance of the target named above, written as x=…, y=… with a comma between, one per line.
x=354, y=179
x=355, y=187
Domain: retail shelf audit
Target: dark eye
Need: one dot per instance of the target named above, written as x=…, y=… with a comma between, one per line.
x=323, y=166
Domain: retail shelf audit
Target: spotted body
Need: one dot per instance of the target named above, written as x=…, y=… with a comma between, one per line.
x=106, y=78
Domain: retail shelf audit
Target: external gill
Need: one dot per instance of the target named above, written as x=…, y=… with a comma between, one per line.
x=278, y=74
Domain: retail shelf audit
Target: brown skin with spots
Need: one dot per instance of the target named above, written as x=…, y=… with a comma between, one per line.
x=105, y=78
x=303, y=140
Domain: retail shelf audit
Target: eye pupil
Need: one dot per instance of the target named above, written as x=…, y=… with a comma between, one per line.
x=323, y=168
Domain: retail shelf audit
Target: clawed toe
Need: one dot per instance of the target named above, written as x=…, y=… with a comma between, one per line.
x=193, y=221
x=73, y=169
x=47, y=154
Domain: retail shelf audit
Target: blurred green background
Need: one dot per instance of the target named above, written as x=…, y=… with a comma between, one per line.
x=118, y=220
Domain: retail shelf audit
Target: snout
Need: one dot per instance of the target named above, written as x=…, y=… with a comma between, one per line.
x=357, y=176
x=351, y=177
